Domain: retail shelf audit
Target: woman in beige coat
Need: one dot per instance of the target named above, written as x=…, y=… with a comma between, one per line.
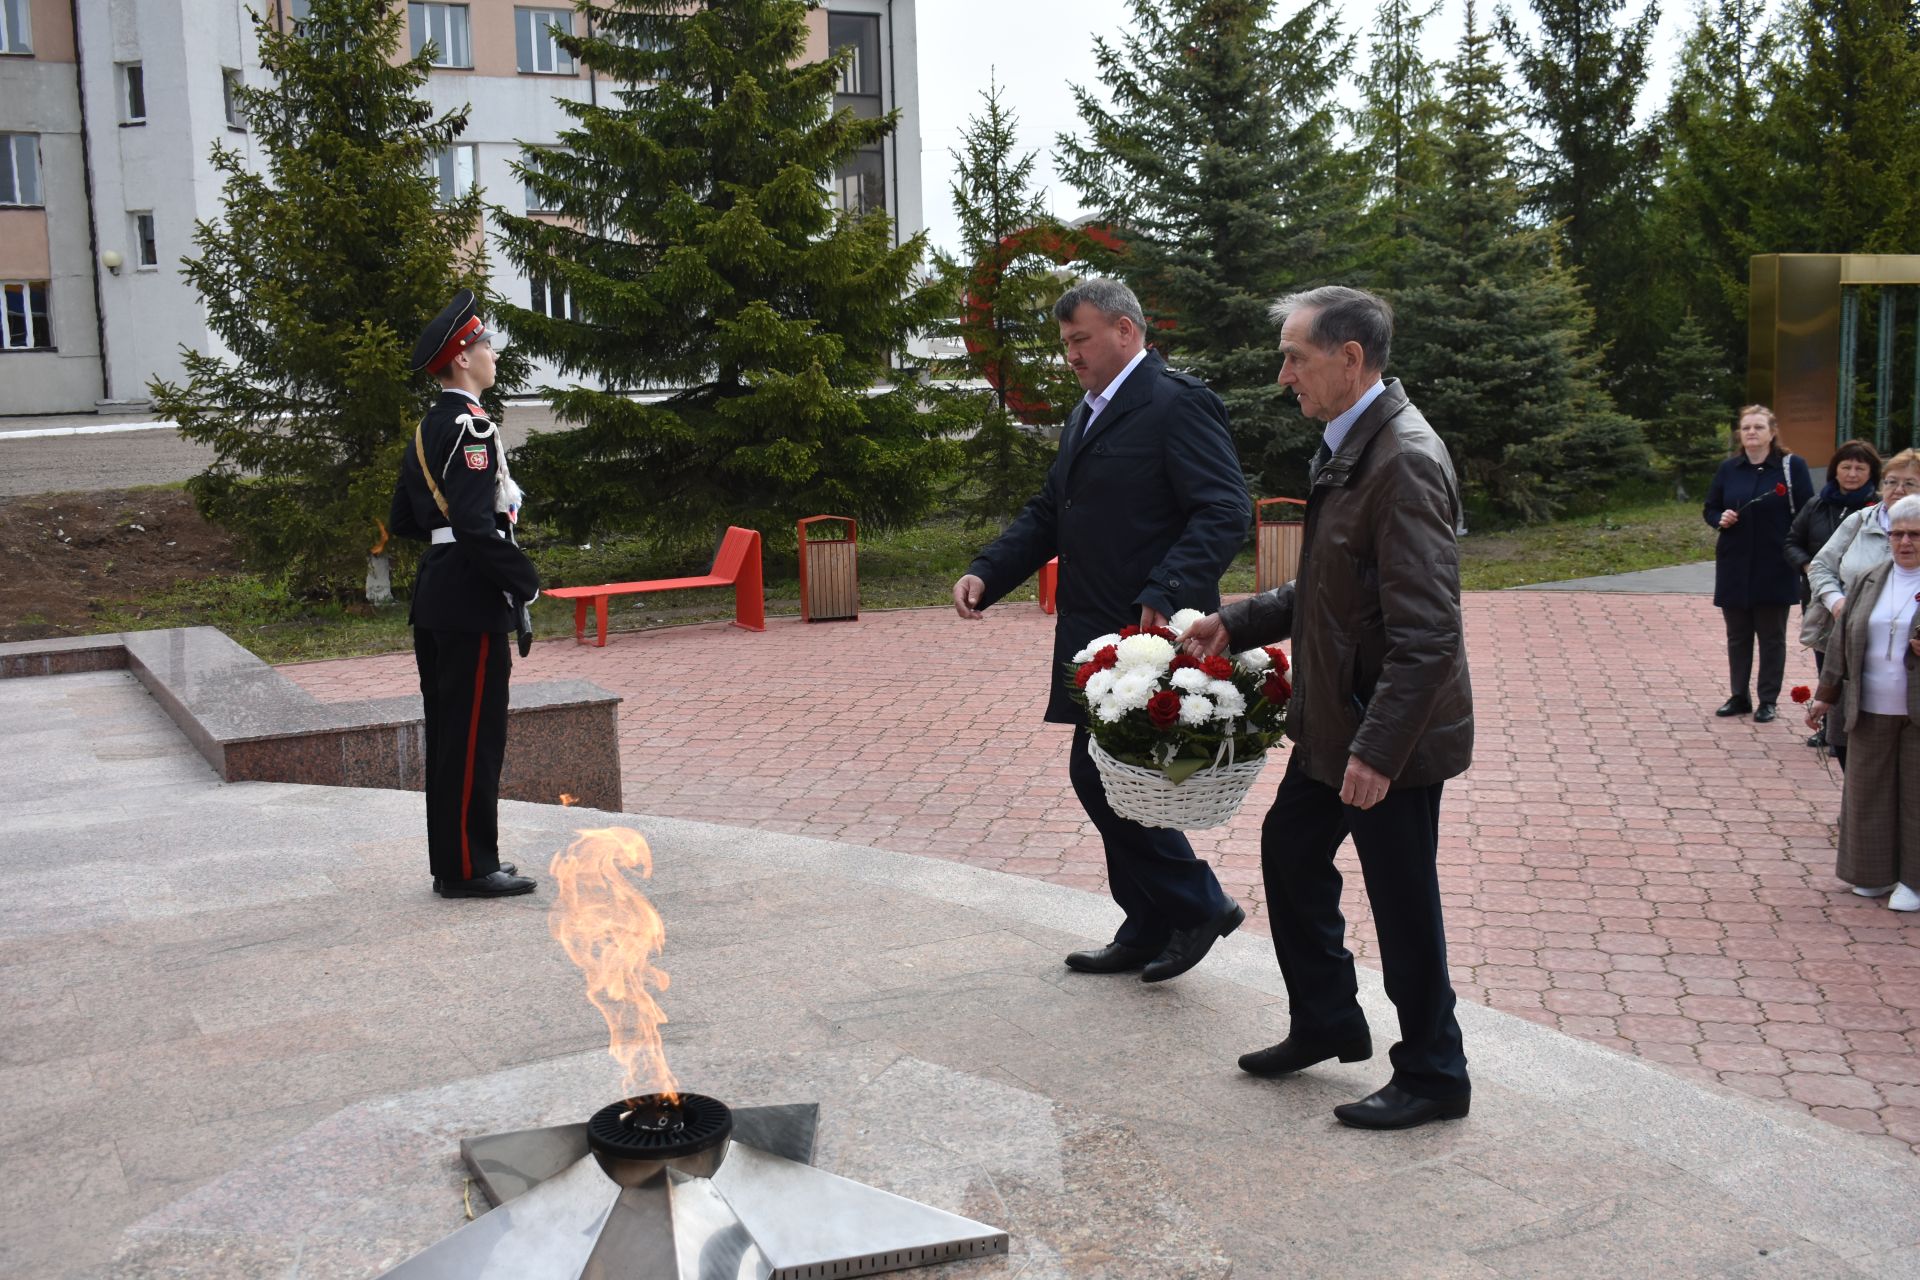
x=1870, y=675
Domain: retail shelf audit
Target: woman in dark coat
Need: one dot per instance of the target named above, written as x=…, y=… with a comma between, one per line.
x=1853, y=482
x=1755, y=495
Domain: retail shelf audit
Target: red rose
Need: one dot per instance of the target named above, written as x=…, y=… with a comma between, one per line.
x=1084, y=674
x=1106, y=658
x=1163, y=709
x=1217, y=668
x=1277, y=688
x=1182, y=661
x=1779, y=491
x=1128, y=632
x=1801, y=693
x=1279, y=657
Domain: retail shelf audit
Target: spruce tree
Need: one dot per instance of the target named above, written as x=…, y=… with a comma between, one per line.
x=700, y=247
x=1004, y=301
x=1690, y=432
x=1494, y=339
x=1217, y=162
x=1393, y=128
x=316, y=279
x=1590, y=167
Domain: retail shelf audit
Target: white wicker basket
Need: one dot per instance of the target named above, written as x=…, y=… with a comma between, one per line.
x=1209, y=798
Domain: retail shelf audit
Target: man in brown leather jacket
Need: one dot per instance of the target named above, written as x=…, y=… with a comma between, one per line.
x=1381, y=715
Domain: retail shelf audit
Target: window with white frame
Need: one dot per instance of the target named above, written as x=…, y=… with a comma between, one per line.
x=451, y=169
x=297, y=11
x=446, y=28
x=16, y=26
x=533, y=32
x=23, y=317
x=230, y=98
x=146, y=246
x=551, y=298
x=133, y=93
x=20, y=168
x=536, y=203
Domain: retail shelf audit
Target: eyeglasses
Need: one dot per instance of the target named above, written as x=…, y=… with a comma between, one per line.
x=1901, y=535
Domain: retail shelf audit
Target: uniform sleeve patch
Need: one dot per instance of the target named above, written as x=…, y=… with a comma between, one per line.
x=478, y=457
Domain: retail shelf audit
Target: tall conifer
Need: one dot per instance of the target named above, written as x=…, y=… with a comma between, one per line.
x=1393, y=129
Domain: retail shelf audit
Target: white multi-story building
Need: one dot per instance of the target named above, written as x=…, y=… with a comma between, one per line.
x=110, y=109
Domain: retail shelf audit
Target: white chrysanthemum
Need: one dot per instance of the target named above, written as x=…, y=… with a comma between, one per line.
x=1145, y=652
x=1100, y=684
x=1108, y=711
x=1254, y=660
x=1190, y=680
x=1196, y=708
x=1180, y=621
x=1131, y=689
x=1095, y=645
x=1227, y=699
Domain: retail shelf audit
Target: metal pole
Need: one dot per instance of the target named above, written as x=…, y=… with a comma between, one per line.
x=1849, y=338
x=1883, y=372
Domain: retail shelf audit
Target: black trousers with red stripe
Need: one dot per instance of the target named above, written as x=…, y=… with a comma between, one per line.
x=463, y=682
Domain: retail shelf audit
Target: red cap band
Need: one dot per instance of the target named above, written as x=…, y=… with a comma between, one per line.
x=462, y=338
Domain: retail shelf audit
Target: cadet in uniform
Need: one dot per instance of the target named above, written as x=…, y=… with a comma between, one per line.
x=474, y=583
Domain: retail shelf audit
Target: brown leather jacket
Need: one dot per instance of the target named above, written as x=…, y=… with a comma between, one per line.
x=1380, y=666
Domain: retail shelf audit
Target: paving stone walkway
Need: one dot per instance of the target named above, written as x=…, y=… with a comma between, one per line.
x=1618, y=864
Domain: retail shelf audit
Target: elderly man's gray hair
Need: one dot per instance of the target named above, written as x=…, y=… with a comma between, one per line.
x=1907, y=508
x=1109, y=297
x=1342, y=315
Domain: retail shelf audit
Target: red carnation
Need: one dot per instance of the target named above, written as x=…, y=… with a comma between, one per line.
x=1801, y=693
x=1106, y=658
x=1162, y=632
x=1182, y=661
x=1277, y=688
x=1217, y=668
x=1128, y=632
x=1279, y=657
x=1779, y=491
x=1084, y=674
x=1163, y=709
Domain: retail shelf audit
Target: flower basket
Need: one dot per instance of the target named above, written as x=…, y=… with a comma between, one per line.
x=1178, y=740
x=1208, y=797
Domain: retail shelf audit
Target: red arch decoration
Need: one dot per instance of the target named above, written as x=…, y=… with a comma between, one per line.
x=1062, y=245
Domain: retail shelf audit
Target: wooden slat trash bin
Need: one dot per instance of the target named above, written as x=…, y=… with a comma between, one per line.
x=1279, y=525
x=829, y=580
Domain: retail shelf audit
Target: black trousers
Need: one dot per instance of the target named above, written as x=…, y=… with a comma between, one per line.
x=1151, y=871
x=1766, y=623
x=1398, y=841
x=463, y=682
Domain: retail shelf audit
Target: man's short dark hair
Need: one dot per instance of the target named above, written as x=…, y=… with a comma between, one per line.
x=1109, y=297
x=1342, y=315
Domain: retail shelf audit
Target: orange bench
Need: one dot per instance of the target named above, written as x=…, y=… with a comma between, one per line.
x=736, y=564
x=1049, y=583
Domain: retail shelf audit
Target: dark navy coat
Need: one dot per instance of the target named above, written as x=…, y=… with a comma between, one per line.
x=1750, y=560
x=1149, y=508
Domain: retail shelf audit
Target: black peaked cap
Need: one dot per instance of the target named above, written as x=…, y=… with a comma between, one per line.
x=441, y=327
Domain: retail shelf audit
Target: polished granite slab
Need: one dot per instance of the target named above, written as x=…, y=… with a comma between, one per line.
x=244, y=1040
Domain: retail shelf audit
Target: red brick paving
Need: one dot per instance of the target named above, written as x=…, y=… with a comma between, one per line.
x=1619, y=864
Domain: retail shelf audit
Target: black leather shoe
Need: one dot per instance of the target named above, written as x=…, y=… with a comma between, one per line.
x=1188, y=947
x=507, y=867
x=1112, y=958
x=1737, y=705
x=1818, y=738
x=1765, y=714
x=500, y=884
x=1395, y=1108
x=1295, y=1054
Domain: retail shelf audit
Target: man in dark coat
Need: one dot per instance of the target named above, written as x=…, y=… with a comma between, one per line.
x=455, y=492
x=1381, y=714
x=1145, y=507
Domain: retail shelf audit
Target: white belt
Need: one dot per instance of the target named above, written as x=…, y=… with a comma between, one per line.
x=443, y=536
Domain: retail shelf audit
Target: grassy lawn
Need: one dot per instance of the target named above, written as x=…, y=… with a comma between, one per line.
x=908, y=568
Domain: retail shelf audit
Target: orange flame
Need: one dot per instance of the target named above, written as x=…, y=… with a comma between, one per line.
x=610, y=930
x=567, y=801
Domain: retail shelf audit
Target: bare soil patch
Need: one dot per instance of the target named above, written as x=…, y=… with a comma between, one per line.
x=70, y=555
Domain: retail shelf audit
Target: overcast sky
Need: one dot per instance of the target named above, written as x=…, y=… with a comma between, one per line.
x=1037, y=48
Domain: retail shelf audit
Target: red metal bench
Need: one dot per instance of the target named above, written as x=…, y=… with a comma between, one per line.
x=736, y=564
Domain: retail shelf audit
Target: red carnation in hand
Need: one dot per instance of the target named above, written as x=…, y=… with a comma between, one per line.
x=1217, y=668
x=1084, y=674
x=1107, y=658
x=1279, y=657
x=1163, y=709
x=1779, y=491
x=1801, y=693
x=1277, y=688
x=1181, y=661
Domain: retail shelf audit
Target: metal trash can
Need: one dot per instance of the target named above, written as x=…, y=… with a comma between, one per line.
x=1276, y=541
x=829, y=584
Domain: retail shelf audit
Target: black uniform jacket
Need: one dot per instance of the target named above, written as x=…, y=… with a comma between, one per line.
x=463, y=585
x=1149, y=508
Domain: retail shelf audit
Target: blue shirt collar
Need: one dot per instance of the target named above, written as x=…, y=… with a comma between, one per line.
x=1336, y=432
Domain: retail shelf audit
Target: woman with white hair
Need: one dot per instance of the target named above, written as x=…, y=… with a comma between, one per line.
x=1870, y=676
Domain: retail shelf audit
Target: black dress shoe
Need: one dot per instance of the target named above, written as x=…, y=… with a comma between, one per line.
x=507, y=867
x=1113, y=958
x=1295, y=1054
x=500, y=884
x=1737, y=705
x=1395, y=1108
x=1188, y=947
x=1765, y=714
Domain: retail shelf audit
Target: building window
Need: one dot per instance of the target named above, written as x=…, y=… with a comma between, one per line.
x=230, y=98
x=19, y=168
x=445, y=27
x=297, y=11
x=133, y=93
x=146, y=248
x=451, y=170
x=550, y=298
x=16, y=29
x=533, y=32
x=24, y=325
x=532, y=160
x=860, y=183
